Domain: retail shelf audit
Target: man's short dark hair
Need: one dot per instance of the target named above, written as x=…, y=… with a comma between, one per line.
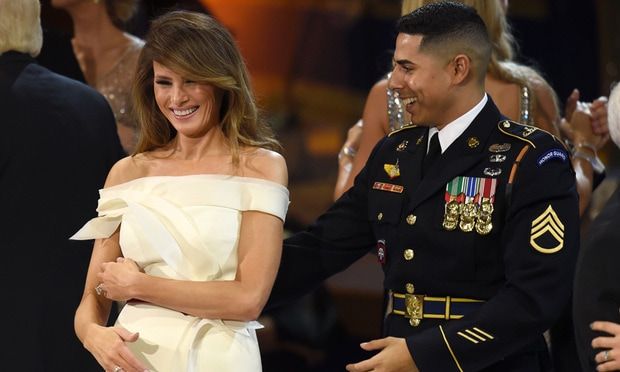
x=450, y=28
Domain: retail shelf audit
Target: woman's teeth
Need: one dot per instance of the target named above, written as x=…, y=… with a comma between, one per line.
x=184, y=112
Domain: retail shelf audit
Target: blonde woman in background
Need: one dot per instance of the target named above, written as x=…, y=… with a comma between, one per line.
x=107, y=55
x=519, y=91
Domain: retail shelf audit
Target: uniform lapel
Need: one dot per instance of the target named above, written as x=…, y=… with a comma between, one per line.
x=461, y=156
x=413, y=156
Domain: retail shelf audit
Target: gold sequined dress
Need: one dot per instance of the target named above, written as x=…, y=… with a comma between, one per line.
x=115, y=86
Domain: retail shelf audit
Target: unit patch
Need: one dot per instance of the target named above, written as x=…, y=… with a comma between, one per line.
x=552, y=154
x=381, y=251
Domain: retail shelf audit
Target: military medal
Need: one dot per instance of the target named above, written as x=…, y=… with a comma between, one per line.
x=402, y=146
x=453, y=204
x=392, y=170
x=469, y=204
x=470, y=209
x=451, y=216
x=483, y=222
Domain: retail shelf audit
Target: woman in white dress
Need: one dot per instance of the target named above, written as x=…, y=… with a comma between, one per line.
x=189, y=231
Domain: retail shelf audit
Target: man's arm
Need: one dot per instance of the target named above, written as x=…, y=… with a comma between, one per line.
x=338, y=238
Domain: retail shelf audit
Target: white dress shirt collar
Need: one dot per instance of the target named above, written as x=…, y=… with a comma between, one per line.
x=455, y=128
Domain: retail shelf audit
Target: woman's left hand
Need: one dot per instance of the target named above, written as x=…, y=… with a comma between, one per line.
x=607, y=359
x=118, y=278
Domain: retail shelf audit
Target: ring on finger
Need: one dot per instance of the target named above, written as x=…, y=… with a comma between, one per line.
x=605, y=355
x=118, y=369
x=99, y=289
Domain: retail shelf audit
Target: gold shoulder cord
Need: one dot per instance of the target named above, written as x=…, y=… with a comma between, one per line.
x=513, y=172
x=401, y=129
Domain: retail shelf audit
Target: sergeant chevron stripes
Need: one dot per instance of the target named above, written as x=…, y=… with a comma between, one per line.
x=547, y=222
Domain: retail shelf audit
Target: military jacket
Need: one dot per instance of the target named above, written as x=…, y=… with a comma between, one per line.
x=493, y=223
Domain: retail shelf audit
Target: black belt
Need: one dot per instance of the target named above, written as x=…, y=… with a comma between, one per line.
x=418, y=307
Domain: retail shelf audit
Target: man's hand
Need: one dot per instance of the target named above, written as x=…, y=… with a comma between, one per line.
x=393, y=356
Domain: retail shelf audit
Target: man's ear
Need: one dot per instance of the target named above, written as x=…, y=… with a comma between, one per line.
x=460, y=68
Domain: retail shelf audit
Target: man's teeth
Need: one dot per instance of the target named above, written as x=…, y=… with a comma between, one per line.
x=184, y=112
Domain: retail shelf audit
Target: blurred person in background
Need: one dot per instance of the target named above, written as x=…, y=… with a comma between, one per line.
x=596, y=297
x=58, y=143
x=107, y=55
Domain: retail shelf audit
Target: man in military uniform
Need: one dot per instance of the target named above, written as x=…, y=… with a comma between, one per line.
x=473, y=218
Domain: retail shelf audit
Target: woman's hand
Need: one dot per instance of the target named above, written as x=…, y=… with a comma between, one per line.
x=118, y=278
x=593, y=132
x=107, y=345
x=580, y=130
x=609, y=358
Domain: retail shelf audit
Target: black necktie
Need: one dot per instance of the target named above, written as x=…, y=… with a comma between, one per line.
x=434, y=151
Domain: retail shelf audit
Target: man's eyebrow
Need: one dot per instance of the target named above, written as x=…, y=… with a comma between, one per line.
x=402, y=62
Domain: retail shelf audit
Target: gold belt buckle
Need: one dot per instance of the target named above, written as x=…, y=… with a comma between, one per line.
x=414, y=306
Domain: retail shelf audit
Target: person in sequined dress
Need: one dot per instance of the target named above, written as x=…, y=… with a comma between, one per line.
x=107, y=55
x=520, y=92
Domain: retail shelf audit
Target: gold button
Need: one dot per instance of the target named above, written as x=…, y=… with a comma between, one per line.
x=409, y=287
x=380, y=216
x=411, y=219
x=408, y=254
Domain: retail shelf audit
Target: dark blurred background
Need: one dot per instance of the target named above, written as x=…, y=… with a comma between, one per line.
x=312, y=63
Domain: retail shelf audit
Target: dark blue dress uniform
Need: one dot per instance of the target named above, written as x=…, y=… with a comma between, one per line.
x=478, y=254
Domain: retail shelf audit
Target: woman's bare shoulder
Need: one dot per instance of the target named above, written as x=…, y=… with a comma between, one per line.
x=127, y=169
x=263, y=163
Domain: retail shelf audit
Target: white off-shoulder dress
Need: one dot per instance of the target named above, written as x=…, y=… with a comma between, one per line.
x=187, y=228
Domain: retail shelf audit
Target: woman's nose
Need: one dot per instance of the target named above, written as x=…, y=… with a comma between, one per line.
x=178, y=95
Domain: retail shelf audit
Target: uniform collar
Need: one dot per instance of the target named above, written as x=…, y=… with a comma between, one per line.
x=455, y=128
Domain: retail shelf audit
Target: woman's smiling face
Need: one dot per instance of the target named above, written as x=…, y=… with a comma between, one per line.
x=191, y=107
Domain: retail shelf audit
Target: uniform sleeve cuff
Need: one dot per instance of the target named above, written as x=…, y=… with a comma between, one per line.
x=431, y=351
